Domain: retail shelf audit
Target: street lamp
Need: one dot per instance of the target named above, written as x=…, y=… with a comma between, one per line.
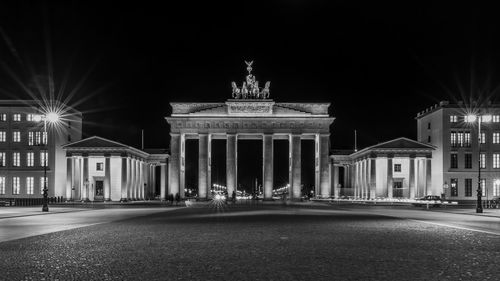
x=52, y=118
x=471, y=118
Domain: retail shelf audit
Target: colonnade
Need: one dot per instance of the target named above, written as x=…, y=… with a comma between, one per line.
x=177, y=165
x=373, y=177
x=125, y=178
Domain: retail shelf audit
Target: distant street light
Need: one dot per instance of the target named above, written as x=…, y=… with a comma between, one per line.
x=471, y=118
x=52, y=118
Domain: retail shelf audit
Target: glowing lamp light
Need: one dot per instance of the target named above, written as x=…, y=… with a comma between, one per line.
x=470, y=118
x=52, y=117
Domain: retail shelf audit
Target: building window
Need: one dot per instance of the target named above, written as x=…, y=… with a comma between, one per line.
x=2, y=185
x=43, y=181
x=397, y=167
x=99, y=166
x=31, y=138
x=3, y=117
x=29, y=117
x=482, y=160
x=429, y=126
x=69, y=138
x=453, y=161
x=496, y=118
x=496, y=187
x=496, y=137
x=468, y=161
x=482, y=139
x=460, y=139
x=16, y=159
x=453, y=187
x=44, y=137
x=16, y=186
x=483, y=187
x=453, y=139
x=467, y=142
x=453, y=118
x=30, y=159
x=43, y=158
x=468, y=187
x=496, y=160
x=37, y=138
x=428, y=138
x=16, y=136
x=29, y=185
x=2, y=159
x=16, y=117
x=3, y=136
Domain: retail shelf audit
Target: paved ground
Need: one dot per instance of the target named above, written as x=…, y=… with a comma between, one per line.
x=266, y=242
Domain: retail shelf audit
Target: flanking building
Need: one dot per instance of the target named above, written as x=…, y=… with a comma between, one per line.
x=99, y=169
x=399, y=168
x=453, y=128
x=25, y=148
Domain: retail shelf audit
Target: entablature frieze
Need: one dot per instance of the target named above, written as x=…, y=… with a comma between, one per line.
x=318, y=125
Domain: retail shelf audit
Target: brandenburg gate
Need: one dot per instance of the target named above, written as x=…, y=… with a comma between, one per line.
x=250, y=114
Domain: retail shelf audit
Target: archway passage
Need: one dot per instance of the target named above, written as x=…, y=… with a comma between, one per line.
x=192, y=155
x=218, y=166
x=308, y=172
x=281, y=172
x=250, y=167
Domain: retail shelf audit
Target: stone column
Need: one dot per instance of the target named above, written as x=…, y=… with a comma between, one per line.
x=124, y=182
x=373, y=178
x=357, y=169
x=129, y=178
x=107, y=178
x=138, y=179
x=324, y=175
x=86, y=179
x=182, y=181
x=203, y=167
x=69, y=177
x=231, y=163
x=411, y=181
x=267, y=165
x=317, y=189
x=163, y=174
x=336, y=189
x=153, y=182
x=174, y=171
x=428, y=179
x=295, y=166
x=389, y=177
x=133, y=180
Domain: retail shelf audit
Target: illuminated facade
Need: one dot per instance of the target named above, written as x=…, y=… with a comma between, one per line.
x=453, y=129
x=24, y=147
x=98, y=169
x=250, y=114
x=399, y=168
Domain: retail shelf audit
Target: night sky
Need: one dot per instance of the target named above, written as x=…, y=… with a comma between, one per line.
x=377, y=64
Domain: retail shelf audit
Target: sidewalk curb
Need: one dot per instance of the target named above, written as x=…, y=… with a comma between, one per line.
x=473, y=214
x=43, y=213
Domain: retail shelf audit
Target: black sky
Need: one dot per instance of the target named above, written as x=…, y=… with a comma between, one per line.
x=378, y=64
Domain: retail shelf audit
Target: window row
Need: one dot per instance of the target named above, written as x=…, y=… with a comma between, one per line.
x=29, y=160
x=463, y=139
x=472, y=118
x=470, y=189
x=34, y=138
x=27, y=184
x=17, y=117
x=468, y=161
